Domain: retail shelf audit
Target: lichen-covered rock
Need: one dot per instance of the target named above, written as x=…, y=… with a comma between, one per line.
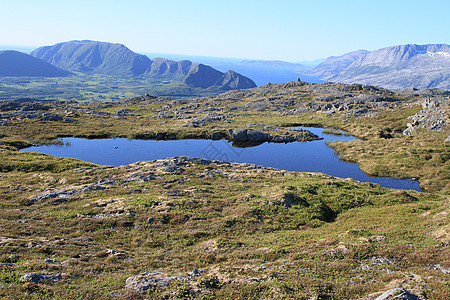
x=153, y=279
x=397, y=293
x=432, y=117
x=36, y=277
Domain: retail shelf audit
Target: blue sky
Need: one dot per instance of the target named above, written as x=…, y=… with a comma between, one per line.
x=256, y=29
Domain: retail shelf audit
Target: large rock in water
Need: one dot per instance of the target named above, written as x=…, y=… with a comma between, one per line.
x=239, y=135
x=248, y=135
x=256, y=137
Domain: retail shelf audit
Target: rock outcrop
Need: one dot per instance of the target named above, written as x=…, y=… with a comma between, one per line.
x=432, y=117
x=397, y=293
x=36, y=277
x=155, y=279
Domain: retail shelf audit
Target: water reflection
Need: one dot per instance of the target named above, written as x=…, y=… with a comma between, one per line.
x=314, y=156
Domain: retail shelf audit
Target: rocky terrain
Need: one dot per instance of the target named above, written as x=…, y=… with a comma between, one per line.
x=253, y=116
x=396, y=67
x=194, y=228
x=92, y=57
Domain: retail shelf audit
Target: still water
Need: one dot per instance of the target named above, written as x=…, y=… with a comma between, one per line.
x=313, y=156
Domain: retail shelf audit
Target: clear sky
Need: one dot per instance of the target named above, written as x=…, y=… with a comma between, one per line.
x=291, y=30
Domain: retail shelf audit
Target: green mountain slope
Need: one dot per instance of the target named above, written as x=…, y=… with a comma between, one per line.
x=92, y=57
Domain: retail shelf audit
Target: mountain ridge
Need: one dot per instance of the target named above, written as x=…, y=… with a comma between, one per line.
x=105, y=58
x=393, y=67
x=15, y=63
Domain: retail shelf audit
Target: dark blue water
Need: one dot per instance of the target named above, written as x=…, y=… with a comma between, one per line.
x=312, y=156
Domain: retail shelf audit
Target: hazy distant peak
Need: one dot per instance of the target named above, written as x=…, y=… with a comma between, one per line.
x=394, y=67
x=94, y=57
x=334, y=65
x=15, y=63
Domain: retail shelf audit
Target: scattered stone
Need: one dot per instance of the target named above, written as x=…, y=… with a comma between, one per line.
x=46, y=196
x=432, y=117
x=440, y=268
x=4, y=123
x=90, y=188
x=51, y=261
x=397, y=293
x=12, y=258
x=173, y=169
x=140, y=177
x=105, y=181
x=92, y=168
x=9, y=265
x=41, y=115
x=207, y=119
x=64, y=194
x=36, y=277
x=155, y=279
x=31, y=104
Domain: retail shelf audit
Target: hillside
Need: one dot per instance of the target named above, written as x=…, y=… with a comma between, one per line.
x=15, y=63
x=396, y=67
x=92, y=57
x=194, y=228
x=334, y=65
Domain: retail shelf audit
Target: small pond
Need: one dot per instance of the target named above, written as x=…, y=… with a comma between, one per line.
x=313, y=156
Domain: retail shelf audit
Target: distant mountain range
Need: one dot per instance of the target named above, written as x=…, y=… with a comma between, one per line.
x=92, y=57
x=15, y=63
x=396, y=67
x=334, y=65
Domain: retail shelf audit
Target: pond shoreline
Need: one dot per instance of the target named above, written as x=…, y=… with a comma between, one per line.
x=313, y=156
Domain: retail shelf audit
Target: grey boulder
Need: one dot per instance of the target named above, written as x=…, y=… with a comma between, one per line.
x=397, y=293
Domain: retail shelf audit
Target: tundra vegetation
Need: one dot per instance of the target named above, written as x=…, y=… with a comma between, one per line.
x=182, y=227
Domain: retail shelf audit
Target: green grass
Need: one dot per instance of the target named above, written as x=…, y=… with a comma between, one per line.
x=339, y=239
x=233, y=226
x=37, y=162
x=95, y=88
